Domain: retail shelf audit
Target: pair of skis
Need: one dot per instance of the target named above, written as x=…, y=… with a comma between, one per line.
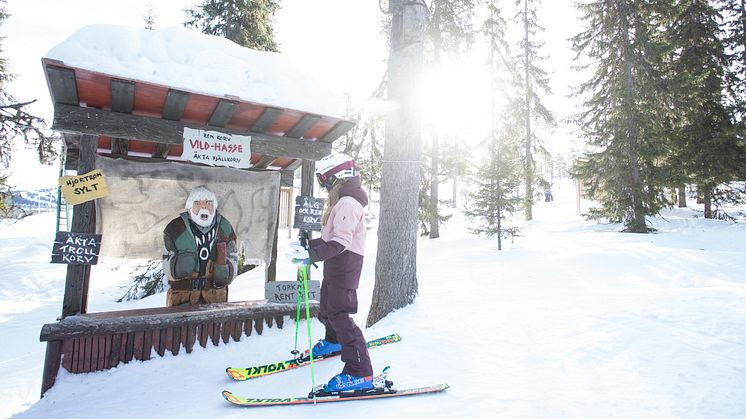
x=383, y=390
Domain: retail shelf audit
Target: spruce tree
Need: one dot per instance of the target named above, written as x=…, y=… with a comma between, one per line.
x=625, y=109
x=449, y=33
x=535, y=82
x=149, y=16
x=245, y=22
x=705, y=145
x=17, y=122
x=498, y=176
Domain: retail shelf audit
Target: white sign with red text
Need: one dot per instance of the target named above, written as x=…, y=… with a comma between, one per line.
x=217, y=148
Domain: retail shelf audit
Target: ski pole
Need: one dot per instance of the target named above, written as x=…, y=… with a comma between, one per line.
x=304, y=276
x=297, y=316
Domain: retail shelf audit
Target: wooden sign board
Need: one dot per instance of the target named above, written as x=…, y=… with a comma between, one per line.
x=216, y=148
x=83, y=188
x=308, y=212
x=76, y=248
x=287, y=291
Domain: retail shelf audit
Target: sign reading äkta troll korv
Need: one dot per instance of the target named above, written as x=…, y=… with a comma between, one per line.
x=83, y=188
x=76, y=248
x=217, y=148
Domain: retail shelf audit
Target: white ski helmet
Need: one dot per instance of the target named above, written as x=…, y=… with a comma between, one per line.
x=333, y=167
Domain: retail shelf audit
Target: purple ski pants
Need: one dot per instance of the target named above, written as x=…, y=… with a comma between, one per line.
x=336, y=306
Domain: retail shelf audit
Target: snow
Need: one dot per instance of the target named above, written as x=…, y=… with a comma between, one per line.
x=571, y=319
x=190, y=60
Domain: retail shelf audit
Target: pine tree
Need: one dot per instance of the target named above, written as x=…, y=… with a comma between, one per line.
x=498, y=177
x=535, y=82
x=245, y=22
x=150, y=16
x=705, y=150
x=17, y=122
x=625, y=109
x=449, y=32
x=734, y=34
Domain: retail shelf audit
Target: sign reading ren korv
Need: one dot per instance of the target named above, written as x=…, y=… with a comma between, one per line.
x=217, y=148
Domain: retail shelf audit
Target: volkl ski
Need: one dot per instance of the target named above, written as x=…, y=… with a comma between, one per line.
x=242, y=374
x=382, y=389
x=248, y=402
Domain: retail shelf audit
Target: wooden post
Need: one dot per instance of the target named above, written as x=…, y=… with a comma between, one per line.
x=307, y=178
x=78, y=276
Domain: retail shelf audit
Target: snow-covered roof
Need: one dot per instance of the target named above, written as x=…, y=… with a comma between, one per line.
x=192, y=61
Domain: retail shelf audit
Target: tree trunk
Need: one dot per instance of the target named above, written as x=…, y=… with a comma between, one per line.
x=454, y=202
x=396, y=260
x=434, y=222
x=707, y=196
x=529, y=178
x=682, y=196
x=636, y=223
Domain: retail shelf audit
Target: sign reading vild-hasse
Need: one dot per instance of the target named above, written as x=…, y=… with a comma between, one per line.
x=76, y=248
x=217, y=148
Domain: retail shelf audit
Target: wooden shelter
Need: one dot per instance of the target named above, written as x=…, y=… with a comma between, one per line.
x=102, y=114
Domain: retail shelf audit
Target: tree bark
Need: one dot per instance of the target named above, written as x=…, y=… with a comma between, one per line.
x=682, y=196
x=396, y=260
x=529, y=178
x=636, y=224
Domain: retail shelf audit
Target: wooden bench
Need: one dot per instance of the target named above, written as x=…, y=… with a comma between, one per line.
x=99, y=341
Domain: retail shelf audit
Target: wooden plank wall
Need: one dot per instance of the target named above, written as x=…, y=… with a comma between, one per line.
x=101, y=352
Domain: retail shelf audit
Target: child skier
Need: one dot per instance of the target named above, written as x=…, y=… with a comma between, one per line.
x=341, y=247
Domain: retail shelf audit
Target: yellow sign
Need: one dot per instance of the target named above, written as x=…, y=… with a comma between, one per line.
x=84, y=188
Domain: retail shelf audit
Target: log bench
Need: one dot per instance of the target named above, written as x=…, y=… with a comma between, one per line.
x=99, y=341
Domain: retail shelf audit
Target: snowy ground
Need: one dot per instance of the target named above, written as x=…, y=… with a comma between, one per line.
x=572, y=320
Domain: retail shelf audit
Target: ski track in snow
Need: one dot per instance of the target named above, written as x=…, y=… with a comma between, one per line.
x=570, y=320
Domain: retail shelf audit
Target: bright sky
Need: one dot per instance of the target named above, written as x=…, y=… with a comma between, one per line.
x=337, y=42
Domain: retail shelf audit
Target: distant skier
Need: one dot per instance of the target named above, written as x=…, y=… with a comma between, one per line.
x=548, y=196
x=341, y=247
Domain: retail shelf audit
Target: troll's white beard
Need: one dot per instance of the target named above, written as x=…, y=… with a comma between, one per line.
x=203, y=219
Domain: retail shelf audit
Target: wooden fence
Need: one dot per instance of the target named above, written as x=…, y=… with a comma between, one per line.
x=99, y=341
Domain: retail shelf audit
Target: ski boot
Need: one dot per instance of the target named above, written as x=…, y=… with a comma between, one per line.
x=324, y=348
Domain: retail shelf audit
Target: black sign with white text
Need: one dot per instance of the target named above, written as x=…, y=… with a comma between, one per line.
x=308, y=212
x=76, y=248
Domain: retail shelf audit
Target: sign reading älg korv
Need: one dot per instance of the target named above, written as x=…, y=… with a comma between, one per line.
x=217, y=148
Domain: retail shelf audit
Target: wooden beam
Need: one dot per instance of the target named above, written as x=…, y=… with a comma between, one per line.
x=303, y=125
x=52, y=360
x=72, y=151
x=119, y=147
x=307, y=178
x=62, y=85
x=161, y=150
x=122, y=95
x=263, y=162
x=77, y=120
x=76, y=283
x=267, y=119
x=223, y=112
x=339, y=130
x=286, y=180
x=176, y=101
x=138, y=320
x=292, y=167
